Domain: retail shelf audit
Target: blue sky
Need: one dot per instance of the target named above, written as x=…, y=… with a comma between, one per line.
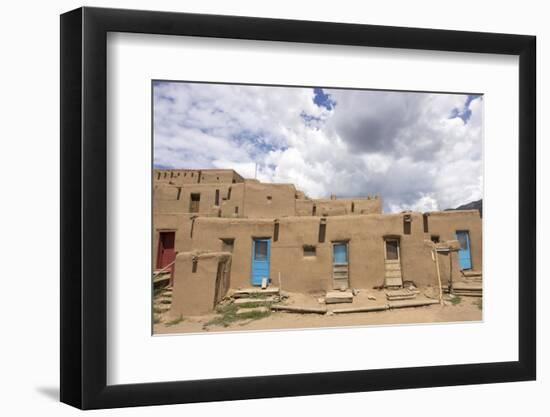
x=418, y=151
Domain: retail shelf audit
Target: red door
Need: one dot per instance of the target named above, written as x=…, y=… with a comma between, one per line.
x=166, y=252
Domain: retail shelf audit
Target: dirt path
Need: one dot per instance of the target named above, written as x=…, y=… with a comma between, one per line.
x=467, y=309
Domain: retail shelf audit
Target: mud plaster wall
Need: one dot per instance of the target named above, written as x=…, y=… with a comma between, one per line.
x=165, y=198
x=323, y=207
x=194, y=176
x=445, y=224
x=269, y=200
x=181, y=225
x=194, y=292
x=365, y=235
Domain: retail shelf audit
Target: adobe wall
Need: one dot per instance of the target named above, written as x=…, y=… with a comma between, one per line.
x=233, y=204
x=304, y=207
x=181, y=225
x=338, y=207
x=174, y=199
x=269, y=200
x=445, y=224
x=194, y=292
x=365, y=235
x=196, y=176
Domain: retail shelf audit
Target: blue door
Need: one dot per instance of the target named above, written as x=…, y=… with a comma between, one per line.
x=260, y=261
x=464, y=255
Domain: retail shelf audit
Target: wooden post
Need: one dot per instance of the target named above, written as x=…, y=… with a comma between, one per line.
x=438, y=275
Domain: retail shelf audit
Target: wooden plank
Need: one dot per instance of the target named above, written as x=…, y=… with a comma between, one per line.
x=467, y=287
x=298, y=309
x=411, y=303
x=393, y=282
x=392, y=274
x=360, y=309
x=471, y=294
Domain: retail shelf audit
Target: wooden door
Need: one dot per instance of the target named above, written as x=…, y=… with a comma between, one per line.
x=166, y=249
x=340, y=265
x=392, y=264
x=464, y=254
x=260, y=261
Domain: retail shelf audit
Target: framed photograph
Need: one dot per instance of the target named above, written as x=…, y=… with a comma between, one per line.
x=260, y=208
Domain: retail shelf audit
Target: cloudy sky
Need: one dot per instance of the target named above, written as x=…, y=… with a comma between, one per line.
x=418, y=151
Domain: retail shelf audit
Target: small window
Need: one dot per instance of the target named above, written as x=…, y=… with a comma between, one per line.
x=276, y=232
x=352, y=207
x=194, y=203
x=217, y=198
x=158, y=176
x=425, y=222
x=236, y=209
x=310, y=251
x=179, y=193
x=229, y=194
x=269, y=199
x=314, y=210
x=435, y=239
x=228, y=245
x=185, y=174
x=195, y=262
x=322, y=232
x=407, y=220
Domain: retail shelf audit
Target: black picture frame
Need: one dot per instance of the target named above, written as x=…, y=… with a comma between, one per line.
x=84, y=207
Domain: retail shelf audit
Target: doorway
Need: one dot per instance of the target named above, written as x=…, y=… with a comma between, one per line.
x=260, y=260
x=340, y=266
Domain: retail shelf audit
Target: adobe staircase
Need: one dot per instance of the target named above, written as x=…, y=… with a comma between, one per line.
x=471, y=284
x=162, y=300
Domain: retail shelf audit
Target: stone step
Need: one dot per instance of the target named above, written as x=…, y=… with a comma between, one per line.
x=334, y=297
x=401, y=297
x=467, y=286
x=472, y=273
x=401, y=292
x=266, y=300
x=255, y=292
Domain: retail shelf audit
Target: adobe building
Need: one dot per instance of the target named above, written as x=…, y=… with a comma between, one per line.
x=215, y=230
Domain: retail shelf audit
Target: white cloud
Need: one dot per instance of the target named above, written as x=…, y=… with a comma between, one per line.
x=401, y=146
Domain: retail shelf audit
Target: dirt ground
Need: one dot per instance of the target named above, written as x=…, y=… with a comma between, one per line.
x=455, y=309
